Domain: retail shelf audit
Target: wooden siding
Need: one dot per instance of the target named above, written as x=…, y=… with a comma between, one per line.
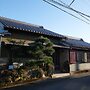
x=80, y=56
x=88, y=57
x=24, y=36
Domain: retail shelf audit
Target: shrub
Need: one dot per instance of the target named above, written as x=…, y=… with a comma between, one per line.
x=37, y=73
x=47, y=60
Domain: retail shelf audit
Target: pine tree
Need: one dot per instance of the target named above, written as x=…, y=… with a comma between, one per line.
x=41, y=48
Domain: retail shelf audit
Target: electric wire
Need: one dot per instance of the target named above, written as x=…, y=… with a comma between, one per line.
x=68, y=7
x=62, y=2
x=66, y=11
x=71, y=3
x=80, y=13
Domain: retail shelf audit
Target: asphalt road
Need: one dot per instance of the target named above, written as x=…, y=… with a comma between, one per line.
x=80, y=83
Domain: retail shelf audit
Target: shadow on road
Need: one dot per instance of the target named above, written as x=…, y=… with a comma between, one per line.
x=81, y=83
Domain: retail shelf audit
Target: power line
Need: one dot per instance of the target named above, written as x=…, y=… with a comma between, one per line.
x=85, y=16
x=65, y=3
x=71, y=3
x=80, y=13
x=66, y=11
x=68, y=7
x=62, y=2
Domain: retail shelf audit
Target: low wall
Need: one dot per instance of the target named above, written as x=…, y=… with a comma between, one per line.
x=79, y=67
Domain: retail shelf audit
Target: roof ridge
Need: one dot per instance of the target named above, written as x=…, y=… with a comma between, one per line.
x=71, y=37
x=21, y=22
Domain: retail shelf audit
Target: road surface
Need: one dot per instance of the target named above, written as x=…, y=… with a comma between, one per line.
x=80, y=83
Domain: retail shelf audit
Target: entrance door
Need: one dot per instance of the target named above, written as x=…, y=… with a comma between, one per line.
x=72, y=57
x=56, y=59
x=64, y=60
x=61, y=58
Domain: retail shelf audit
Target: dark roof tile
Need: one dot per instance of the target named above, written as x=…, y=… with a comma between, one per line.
x=76, y=43
x=10, y=23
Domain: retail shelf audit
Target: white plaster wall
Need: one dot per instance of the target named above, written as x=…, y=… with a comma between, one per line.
x=82, y=66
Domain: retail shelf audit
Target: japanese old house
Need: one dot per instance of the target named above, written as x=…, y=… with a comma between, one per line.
x=71, y=54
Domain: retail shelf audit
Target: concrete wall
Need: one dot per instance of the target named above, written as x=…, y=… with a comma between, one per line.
x=77, y=67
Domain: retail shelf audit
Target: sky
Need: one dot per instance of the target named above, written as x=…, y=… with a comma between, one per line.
x=40, y=13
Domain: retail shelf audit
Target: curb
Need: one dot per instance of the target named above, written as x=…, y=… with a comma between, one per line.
x=22, y=83
x=61, y=75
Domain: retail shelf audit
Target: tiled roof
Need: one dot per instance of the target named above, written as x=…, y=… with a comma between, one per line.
x=14, y=24
x=23, y=26
x=76, y=43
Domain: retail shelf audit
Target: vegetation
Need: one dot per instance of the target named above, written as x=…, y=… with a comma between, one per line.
x=41, y=48
x=39, y=65
x=41, y=51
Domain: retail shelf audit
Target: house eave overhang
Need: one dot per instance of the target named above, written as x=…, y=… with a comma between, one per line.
x=27, y=27
x=60, y=46
x=80, y=48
